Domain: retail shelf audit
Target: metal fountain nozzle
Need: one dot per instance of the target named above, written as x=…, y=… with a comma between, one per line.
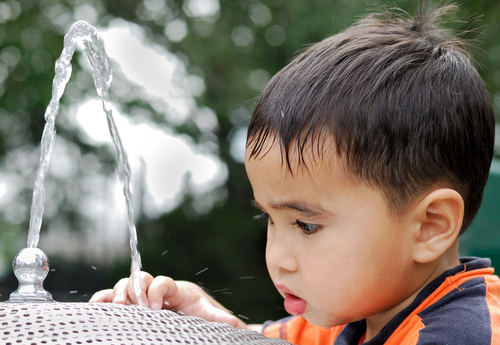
x=31, y=267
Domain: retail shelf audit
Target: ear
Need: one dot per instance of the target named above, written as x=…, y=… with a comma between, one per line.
x=439, y=220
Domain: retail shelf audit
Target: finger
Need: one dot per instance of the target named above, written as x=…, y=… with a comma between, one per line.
x=215, y=314
x=160, y=291
x=146, y=280
x=120, y=295
x=105, y=296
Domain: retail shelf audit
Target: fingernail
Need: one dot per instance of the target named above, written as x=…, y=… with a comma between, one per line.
x=155, y=306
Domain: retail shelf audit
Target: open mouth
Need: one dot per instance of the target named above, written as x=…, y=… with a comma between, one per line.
x=294, y=305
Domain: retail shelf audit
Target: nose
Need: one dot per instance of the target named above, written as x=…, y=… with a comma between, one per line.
x=280, y=251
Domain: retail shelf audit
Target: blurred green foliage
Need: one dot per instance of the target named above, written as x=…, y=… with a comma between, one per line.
x=236, y=51
x=483, y=238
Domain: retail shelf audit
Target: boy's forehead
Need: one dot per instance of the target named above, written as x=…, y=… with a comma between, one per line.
x=313, y=160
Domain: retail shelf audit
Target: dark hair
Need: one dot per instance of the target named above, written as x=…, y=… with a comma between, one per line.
x=404, y=104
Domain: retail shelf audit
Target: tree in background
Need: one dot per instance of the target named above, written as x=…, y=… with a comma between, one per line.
x=234, y=47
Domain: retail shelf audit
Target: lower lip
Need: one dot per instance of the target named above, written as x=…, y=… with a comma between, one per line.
x=294, y=305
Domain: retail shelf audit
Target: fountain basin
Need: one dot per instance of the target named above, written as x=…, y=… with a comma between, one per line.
x=108, y=323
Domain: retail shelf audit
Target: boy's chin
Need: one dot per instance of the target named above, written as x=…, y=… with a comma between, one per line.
x=325, y=321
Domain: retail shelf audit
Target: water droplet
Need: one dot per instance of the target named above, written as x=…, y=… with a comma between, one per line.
x=220, y=290
x=203, y=270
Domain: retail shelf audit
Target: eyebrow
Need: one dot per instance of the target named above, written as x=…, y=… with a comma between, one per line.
x=302, y=207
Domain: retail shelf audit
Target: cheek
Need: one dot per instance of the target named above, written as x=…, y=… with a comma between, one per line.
x=271, y=266
x=268, y=262
x=343, y=267
x=325, y=267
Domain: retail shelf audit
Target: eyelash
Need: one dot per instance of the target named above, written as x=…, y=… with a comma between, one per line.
x=263, y=216
x=307, y=229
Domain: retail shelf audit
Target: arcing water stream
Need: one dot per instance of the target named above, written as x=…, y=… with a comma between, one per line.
x=83, y=34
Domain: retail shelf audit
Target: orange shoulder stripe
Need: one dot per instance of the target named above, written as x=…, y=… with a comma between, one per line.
x=448, y=285
x=492, y=293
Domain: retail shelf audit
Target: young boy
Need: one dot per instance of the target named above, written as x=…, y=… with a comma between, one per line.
x=368, y=154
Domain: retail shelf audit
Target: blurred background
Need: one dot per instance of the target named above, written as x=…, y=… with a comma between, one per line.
x=187, y=75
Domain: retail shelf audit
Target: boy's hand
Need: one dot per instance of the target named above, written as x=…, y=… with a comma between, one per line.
x=165, y=293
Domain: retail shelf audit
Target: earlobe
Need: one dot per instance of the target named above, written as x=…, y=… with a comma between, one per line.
x=439, y=216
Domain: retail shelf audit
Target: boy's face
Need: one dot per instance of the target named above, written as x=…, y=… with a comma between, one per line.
x=333, y=251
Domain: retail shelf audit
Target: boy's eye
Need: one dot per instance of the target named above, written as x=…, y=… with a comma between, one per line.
x=307, y=229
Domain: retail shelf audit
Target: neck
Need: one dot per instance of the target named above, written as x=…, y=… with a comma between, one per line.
x=429, y=272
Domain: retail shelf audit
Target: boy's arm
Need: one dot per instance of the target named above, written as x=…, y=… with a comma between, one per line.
x=165, y=293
